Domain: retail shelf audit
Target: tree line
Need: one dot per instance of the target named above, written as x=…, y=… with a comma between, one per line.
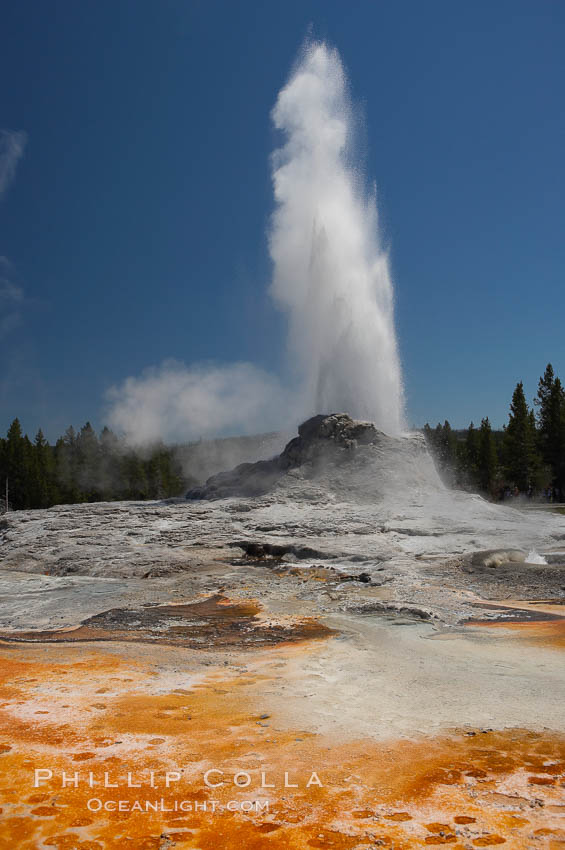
x=526, y=458
x=82, y=467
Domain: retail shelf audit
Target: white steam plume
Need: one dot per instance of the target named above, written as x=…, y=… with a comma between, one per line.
x=330, y=272
x=174, y=402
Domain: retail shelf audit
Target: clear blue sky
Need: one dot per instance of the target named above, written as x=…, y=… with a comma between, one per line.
x=135, y=223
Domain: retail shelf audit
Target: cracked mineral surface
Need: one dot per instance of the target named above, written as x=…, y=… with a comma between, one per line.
x=333, y=609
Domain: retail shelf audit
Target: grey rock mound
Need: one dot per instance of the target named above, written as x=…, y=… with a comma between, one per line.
x=338, y=454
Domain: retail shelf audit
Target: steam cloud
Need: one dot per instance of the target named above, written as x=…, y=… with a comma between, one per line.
x=331, y=276
x=175, y=403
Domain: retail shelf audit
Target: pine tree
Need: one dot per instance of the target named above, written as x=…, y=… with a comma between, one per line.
x=551, y=425
x=110, y=477
x=560, y=468
x=164, y=479
x=67, y=467
x=135, y=477
x=521, y=460
x=443, y=445
x=556, y=436
x=16, y=461
x=544, y=401
x=545, y=386
x=472, y=446
x=487, y=457
x=449, y=445
x=45, y=491
x=88, y=463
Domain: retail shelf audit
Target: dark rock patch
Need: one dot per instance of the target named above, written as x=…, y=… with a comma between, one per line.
x=215, y=622
x=277, y=551
x=390, y=609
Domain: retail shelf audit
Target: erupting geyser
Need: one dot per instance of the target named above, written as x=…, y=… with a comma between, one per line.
x=330, y=274
x=330, y=271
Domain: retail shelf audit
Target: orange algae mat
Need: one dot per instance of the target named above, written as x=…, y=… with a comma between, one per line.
x=548, y=633
x=91, y=717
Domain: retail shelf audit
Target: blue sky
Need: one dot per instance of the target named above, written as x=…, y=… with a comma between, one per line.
x=134, y=226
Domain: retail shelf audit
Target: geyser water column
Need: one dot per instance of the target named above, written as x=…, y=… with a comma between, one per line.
x=330, y=271
x=331, y=275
